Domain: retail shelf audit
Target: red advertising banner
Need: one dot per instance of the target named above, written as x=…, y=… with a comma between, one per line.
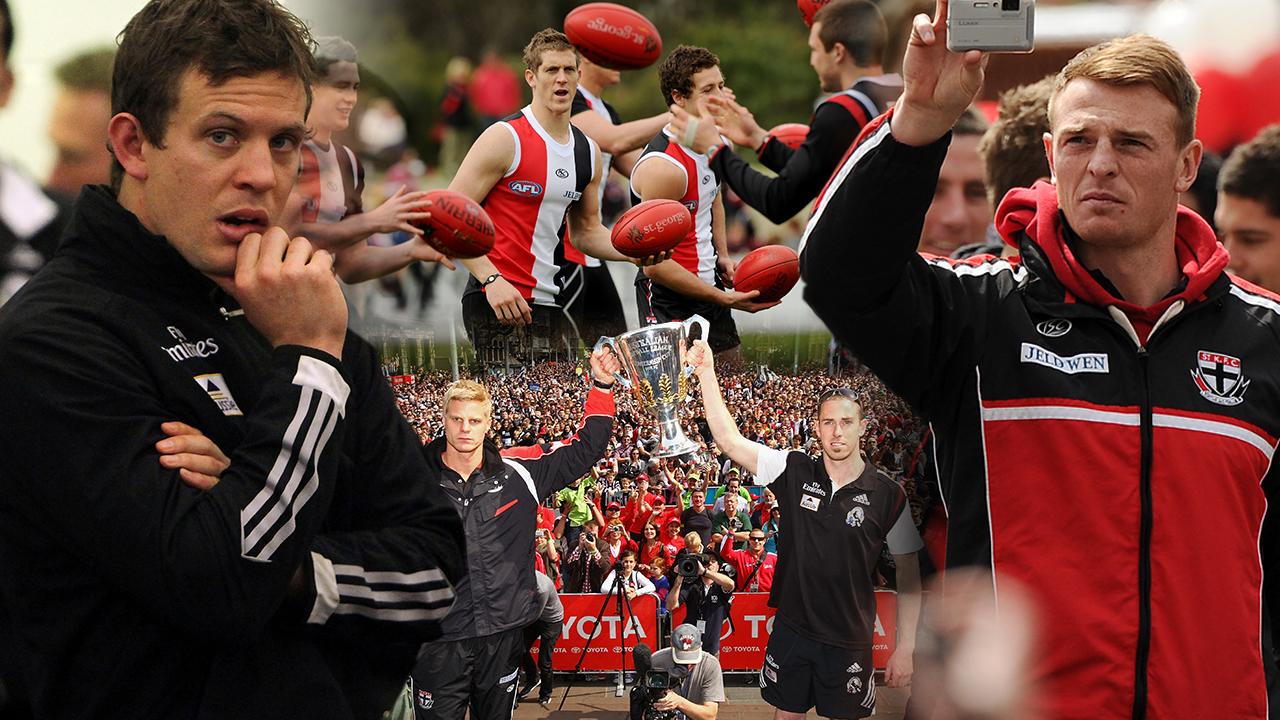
x=742, y=648
x=401, y=379
x=609, y=638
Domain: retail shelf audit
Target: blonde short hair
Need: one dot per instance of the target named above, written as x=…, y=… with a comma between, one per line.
x=467, y=391
x=548, y=40
x=1134, y=61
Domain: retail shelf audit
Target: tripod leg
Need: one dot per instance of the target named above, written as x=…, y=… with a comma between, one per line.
x=582, y=656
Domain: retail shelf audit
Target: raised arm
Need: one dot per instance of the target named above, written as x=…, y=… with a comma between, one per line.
x=618, y=139
x=725, y=431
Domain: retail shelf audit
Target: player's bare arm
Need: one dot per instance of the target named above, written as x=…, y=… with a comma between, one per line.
x=485, y=164
x=724, y=430
x=619, y=139
x=899, y=669
x=396, y=213
x=589, y=235
x=361, y=261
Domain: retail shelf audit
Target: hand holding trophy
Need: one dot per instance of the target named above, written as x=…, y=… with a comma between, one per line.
x=654, y=360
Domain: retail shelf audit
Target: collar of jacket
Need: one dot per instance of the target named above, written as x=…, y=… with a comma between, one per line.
x=490, y=466
x=1030, y=219
x=112, y=239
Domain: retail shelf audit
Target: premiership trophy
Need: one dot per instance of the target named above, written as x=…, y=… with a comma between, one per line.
x=653, y=358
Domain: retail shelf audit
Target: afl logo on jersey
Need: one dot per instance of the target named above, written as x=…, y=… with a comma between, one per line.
x=527, y=188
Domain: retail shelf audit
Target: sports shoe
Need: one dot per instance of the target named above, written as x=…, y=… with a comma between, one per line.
x=545, y=701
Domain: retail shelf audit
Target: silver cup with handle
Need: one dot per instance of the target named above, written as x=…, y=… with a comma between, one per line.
x=653, y=358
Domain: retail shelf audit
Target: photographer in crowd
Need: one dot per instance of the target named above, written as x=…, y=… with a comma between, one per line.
x=693, y=682
x=585, y=567
x=706, y=592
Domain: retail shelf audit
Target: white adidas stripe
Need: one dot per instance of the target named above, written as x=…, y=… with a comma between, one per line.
x=294, y=490
x=322, y=385
x=871, y=143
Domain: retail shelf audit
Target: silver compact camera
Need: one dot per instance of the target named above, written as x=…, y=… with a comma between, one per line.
x=1003, y=26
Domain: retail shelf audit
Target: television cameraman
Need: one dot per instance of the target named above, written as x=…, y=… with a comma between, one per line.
x=680, y=681
x=706, y=591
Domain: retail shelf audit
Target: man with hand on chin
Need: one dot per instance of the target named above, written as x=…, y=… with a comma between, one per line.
x=303, y=580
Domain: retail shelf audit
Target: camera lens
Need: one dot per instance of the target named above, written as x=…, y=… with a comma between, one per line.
x=1010, y=5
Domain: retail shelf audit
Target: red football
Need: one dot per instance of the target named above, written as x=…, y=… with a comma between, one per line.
x=809, y=8
x=773, y=270
x=652, y=227
x=613, y=35
x=790, y=134
x=458, y=226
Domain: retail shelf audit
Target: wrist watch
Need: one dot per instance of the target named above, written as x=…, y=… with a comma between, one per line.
x=489, y=280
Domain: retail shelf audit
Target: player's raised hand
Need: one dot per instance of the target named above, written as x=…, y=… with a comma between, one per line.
x=696, y=132
x=398, y=211
x=735, y=121
x=938, y=84
x=700, y=358
x=604, y=364
x=288, y=291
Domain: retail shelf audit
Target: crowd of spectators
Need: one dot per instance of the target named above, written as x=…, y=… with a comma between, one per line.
x=654, y=510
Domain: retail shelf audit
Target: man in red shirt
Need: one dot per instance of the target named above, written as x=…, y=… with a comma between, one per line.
x=748, y=578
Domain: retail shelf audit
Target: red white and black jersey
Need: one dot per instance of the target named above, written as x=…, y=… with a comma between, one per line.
x=331, y=181
x=585, y=101
x=697, y=252
x=529, y=204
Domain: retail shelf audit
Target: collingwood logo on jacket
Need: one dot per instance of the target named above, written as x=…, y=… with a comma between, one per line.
x=185, y=349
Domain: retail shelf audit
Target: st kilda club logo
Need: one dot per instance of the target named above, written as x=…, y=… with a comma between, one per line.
x=1219, y=378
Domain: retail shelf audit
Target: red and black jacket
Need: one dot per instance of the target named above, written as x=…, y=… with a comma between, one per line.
x=499, y=509
x=1115, y=460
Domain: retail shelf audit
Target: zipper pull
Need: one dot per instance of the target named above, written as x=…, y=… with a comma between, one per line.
x=228, y=314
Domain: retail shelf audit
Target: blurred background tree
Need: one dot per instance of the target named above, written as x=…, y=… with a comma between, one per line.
x=405, y=44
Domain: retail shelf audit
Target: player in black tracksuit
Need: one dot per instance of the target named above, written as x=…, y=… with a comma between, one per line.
x=475, y=664
x=802, y=172
x=846, y=43
x=300, y=585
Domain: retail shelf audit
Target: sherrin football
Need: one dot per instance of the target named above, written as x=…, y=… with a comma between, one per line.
x=652, y=227
x=790, y=134
x=809, y=8
x=458, y=226
x=613, y=36
x=773, y=270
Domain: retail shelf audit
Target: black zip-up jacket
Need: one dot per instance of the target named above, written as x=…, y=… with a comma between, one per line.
x=299, y=586
x=802, y=172
x=1116, y=461
x=498, y=505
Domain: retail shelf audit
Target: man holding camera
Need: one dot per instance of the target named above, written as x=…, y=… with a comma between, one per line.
x=706, y=591
x=683, y=679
